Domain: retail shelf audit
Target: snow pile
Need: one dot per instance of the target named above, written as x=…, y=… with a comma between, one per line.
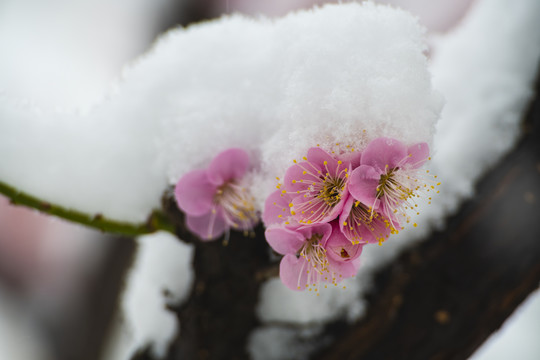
x=274, y=88
x=161, y=275
x=485, y=70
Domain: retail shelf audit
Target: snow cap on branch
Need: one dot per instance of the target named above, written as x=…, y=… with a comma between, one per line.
x=272, y=87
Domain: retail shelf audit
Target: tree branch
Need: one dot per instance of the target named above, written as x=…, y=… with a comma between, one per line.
x=156, y=220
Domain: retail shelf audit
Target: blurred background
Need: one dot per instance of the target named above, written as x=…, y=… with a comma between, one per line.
x=59, y=282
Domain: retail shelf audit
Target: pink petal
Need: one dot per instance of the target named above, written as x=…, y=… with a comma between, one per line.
x=343, y=270
x=352, y=158
x=293, y=272
x=339, y=248
x=283, y=240
x=194, y=193
x=322, y=229
x=276, y=204
x=299, y=176
x=208, y=227
x=383, y=152
x=318, y=157
x=228, y=165
x=363, y=184
x=418, y=154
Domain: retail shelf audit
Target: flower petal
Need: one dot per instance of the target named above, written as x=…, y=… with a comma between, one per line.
x=322, y=229
x=283, y=240
x=418, y=154
x=352, y=158
x=343, y=270
x=208, y=227
x=276, y=208
x=299, y=177
x=383, y=152
x=194, y=193
x=293, y=272
x=339, y=248
x=363, y=184
x=319, y=157
x=228, y=165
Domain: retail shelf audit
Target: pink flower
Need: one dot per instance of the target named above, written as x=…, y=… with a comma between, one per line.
x=388, y=180
x=317, y=186
x=277, y=210
x=360, y=224
x=213, y=199
x=313, y=254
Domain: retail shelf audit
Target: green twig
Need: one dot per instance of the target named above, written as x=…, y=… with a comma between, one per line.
x=156, y=221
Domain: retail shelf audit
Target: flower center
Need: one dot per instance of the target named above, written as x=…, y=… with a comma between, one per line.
x=389, y=185
x=315, y=253
x=331, y=190
x=363, y=217
x=397, y=189
x=323, y=192
x=237, y=205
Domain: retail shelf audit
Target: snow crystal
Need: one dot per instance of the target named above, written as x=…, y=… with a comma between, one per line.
x=273, y=87
x=161, y=275
x=485, y=70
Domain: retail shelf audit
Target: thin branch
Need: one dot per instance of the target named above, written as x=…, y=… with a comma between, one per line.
x=156, y=221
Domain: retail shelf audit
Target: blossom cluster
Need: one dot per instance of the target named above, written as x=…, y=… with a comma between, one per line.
x=326, y=209
x=329, y=206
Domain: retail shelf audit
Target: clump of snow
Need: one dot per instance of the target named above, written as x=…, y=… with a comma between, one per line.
x=161, y=275
x=273, y=87
x=485, y=69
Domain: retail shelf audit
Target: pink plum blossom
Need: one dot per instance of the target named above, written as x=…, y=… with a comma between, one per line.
x=317, y=186
x=361, y=225
x=388, y=178
x=214, y=200
x=277, y=210
x=313, y=254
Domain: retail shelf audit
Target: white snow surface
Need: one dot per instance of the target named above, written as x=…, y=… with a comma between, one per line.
x=273, y=87
x=161, y=274
x=485, y=70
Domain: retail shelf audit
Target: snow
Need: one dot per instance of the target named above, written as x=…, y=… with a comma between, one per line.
x=231, y=82
x=161, y=275
x=268, y=86
x=518, y=337
x=485, y=71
